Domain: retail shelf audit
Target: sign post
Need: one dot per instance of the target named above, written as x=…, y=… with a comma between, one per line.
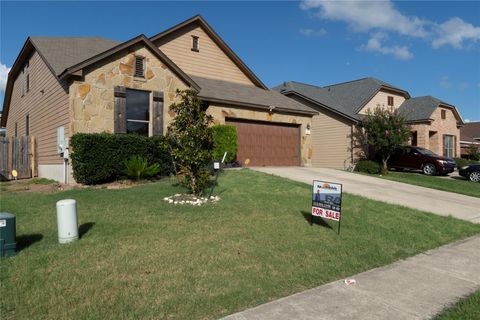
x=327, y=201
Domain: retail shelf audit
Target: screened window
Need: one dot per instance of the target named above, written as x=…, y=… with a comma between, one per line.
x=139, y=67
x=16, y=129
x=25, y=79
x=195, y=43
x=448, y=146
x=390, y=101
x=138, y=111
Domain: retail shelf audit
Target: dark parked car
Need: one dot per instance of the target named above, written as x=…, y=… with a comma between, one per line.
x=416, y=158
x=471, y=172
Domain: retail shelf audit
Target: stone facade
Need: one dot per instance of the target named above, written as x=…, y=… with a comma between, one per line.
x=92, y=101
x=220, y=112
x=430, y=135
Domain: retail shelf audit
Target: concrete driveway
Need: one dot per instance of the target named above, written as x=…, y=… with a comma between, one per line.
x=425, y=199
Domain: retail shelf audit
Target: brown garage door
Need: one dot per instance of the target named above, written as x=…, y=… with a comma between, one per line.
x=267, y=144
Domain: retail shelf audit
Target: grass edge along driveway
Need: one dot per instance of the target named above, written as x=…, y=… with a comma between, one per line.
x=461, y=186
x=466, y=309
x=140, y=257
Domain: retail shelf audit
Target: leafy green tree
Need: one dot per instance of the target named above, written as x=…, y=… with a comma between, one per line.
x=385, y=130
x=191, y=142
x=474, y=152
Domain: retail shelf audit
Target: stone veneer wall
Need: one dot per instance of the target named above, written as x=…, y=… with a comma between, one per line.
x=92, y=100
x=219, y=114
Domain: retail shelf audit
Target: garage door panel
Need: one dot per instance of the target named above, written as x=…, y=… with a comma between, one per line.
x=267, y=144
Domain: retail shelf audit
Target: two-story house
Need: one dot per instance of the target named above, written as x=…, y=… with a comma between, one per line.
x=434, y=124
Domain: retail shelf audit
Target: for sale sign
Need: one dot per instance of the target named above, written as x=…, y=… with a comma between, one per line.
x=327, y=200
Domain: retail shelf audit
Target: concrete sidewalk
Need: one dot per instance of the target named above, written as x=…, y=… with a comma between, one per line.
x=416, y=288
x=421, y=198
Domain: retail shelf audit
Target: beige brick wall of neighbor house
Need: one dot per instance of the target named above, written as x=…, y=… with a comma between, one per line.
x=447, y=126
x=219, y=114
x=92, y=100
x=381, y=100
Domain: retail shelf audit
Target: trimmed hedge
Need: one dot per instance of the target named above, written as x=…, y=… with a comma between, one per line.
x=368, y=166
x=461, y=162
x=99, y=157
x=224, y=139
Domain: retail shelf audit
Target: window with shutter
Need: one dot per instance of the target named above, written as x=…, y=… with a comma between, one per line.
x=157, y=110
x=27, y=125
x=139, y=67
x=137, y=111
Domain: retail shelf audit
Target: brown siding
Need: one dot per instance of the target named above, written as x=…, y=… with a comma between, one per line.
x=209, y=62
x=47, y=111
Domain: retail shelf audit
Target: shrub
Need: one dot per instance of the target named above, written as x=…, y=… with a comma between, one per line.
x=190, y=139
x=368, y=166
x=224, y=140
x=461, y=162
x=137, y=168
x=99, y=157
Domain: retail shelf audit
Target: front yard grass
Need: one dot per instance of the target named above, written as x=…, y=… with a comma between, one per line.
x=140, y=257
x=466, y=309
x=460, y=185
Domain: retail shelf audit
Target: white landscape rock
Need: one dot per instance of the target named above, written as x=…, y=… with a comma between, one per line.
x=190, y=199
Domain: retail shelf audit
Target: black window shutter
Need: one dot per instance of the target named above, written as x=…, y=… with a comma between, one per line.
x=157, y=116
x=120, y=109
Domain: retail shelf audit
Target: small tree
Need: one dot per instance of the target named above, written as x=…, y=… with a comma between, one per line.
x=385, y=130
x=190, y=139
x=474, y=152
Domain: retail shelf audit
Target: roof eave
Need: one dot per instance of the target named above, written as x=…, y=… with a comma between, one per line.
x=219, y=41
x=255, y=106
x=289, y=91
x=74, y=70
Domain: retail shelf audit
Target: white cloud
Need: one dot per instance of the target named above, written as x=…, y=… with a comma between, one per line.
x=455, y=32
x=367, y=15
x=383, y=16
x=313, y=33
x=374, y=44
x=445, y=82
x=3, y=76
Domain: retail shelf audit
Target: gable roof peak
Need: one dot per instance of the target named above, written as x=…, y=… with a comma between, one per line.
x=218, y=41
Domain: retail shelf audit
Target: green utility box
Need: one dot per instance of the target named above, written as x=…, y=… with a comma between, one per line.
x=8, y=233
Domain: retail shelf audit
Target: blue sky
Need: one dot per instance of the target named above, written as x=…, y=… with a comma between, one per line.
x=427, y=48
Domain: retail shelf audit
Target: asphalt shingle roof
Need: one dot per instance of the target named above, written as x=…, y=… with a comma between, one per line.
x=347, y=98
x=240, y=93
x=64, y=52
x=419, y=108
x=470, y=132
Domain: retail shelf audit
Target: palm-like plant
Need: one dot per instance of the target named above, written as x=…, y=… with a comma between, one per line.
x=137, y=168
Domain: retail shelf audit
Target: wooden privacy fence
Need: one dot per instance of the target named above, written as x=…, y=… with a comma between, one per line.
x=20, y=154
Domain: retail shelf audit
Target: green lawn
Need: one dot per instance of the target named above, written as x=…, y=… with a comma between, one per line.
x=140, y=257
x=461, y=186
x=466, y=309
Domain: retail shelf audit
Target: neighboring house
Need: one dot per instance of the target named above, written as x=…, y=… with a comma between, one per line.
x=89, y=84
x=2, y=129
x=469, y=136
x=434, y=124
